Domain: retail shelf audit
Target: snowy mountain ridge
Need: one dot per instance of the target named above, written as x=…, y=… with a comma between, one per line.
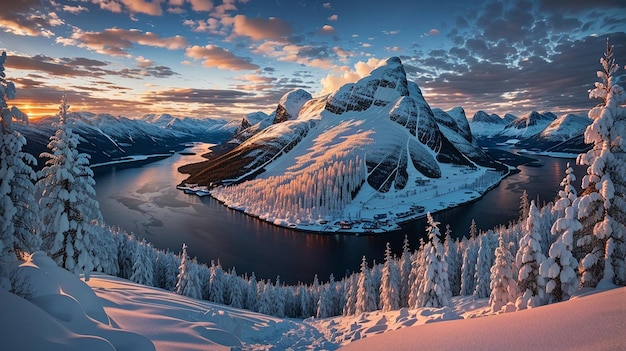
x=106, y=137
x=370, y=145
x=538, y=131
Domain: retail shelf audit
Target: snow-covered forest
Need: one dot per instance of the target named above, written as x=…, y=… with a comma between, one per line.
x=576, y=241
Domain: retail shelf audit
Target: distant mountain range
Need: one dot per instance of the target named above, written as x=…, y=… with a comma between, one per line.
x=533, y=131
x=106, y=137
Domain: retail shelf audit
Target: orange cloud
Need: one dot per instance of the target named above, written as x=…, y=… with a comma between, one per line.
x=333, y=82
x=261, y=29
x=214, y=56
x=327, y=29
x=115, y=41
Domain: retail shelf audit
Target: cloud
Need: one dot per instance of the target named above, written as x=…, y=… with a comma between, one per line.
x=152, y=8
x=579, y=5
x=327, y=5
x=260, y=28
x=214, y=56
x=27, y=18
x=116, y=41
x=75, y=9
x=190, y=95
x=534, y=83
x=333, y=18
x=308, y=55
x=332, y=82
x=327, y=30
x=433, y=32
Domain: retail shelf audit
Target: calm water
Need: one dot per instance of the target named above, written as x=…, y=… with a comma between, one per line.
x=144, y=200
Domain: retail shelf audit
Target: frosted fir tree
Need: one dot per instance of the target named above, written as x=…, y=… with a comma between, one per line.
x=350, y=292
x=417, y=272
x=71, y=214
x=468, y=267
x=529, y=257
x=482, y=275
x=524, y=206
x=602, y=205
x=405, y=271
x=143, y=270
x=216, y=283
x=235, y=290
x=559, y=269
x=366, y=292
x=19, y=213
x=188, y=279
x=435, y=291
x=454, y=262
x=503, y=279
x=389, y=283
x=251, y=293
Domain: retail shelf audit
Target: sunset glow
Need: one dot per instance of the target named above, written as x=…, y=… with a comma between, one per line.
x=226, y=58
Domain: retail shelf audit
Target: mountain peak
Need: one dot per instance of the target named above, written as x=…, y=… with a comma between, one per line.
x=383, y=86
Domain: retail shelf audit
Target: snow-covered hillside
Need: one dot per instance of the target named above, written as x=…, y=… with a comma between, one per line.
x=105, y=137
x=361, y=159
x=107, y=313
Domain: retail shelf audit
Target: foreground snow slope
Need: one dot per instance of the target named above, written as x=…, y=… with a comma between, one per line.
x=593, y=322
x=108, y=313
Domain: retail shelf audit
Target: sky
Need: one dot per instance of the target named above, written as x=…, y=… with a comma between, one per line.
x=226, y=58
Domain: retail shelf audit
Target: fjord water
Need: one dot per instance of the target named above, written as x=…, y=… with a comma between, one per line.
x=145, y=201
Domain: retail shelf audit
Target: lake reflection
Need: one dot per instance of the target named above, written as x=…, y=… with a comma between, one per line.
x=144, y=200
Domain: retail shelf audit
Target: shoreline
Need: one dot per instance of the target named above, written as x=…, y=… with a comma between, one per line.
x=391, y=222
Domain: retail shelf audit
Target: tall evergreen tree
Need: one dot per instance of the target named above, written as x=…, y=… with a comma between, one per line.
x=435, y=288
x=216, y=285
x=188, y=279
x=71, y=214
x=143, y=270
x=454, y=262
x=365, y=296
x=529, y=257
x=405, y=272
x=482, y=275
x=468, y=268
x=503, y=278
x=389, y=284
x=559, y=269
x=19, y=214
x=602, y=206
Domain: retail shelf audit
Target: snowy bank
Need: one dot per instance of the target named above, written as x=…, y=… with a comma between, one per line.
x=594, y=322
x=108, y=313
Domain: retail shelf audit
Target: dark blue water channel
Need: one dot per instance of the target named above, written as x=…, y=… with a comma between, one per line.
x=144, y=200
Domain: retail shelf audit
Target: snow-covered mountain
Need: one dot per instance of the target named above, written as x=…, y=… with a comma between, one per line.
x=106, y=137
x=334, y=156
x=534, y=130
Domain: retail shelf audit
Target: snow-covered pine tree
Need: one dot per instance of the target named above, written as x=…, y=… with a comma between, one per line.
x=529, y=257
x=417, y=272
x=251, y=293
x=482, y=275
x=235, y=290
x=389, y=283
x=524, y=207
x=435, y=291
x=503, y=278
x=602, y=205
x=365, y=296
x=19, y=214
x=143, y=271
x=350, y=292
x=188, y=279
x=278, y=299
x=454, y=262
x=405, y=271
x=559, y=269
x=216, y=284
x=71, y=214
x=468, y=267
